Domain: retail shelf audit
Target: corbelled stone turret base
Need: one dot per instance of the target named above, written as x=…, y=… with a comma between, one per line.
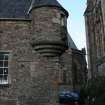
x=32, y=77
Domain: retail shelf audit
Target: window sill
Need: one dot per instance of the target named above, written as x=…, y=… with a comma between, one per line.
x=4, y=85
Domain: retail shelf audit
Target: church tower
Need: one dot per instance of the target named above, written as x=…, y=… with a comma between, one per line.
x=95, y=30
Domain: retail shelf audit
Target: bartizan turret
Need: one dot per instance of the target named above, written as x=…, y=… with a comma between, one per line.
x=49, y=21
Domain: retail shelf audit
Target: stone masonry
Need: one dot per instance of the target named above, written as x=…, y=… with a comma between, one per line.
x=95, y=33
x=41, y=63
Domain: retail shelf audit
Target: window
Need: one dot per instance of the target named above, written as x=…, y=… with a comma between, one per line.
x=63, y=20
x=4, y=68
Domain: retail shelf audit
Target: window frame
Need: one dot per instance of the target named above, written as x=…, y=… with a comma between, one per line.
x=3, y=81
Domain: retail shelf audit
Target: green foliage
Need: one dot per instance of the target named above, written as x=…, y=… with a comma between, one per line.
x=94, y=92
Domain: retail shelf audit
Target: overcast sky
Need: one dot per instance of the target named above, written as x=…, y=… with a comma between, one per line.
x=76, y=26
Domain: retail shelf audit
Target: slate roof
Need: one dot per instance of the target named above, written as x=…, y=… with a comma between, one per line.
x=40, y=3
x=71, y=43
x=14, y=8
x=20, y=8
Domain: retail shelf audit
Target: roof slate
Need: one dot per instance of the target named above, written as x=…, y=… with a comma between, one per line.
x=14, y=8
x=71, y=43
x=40, y=3
x=20, y=8
x=55, y=3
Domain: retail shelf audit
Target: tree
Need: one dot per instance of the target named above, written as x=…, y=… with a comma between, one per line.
x=94, y=92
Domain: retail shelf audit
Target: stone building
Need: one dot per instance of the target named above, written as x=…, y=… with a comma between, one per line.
x=38, y=58
x=95, y=34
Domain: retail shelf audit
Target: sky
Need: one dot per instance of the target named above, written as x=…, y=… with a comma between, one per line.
x=76, y=24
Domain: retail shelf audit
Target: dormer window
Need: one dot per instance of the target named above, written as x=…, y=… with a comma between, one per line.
x=63, y=20
x=4, y=57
